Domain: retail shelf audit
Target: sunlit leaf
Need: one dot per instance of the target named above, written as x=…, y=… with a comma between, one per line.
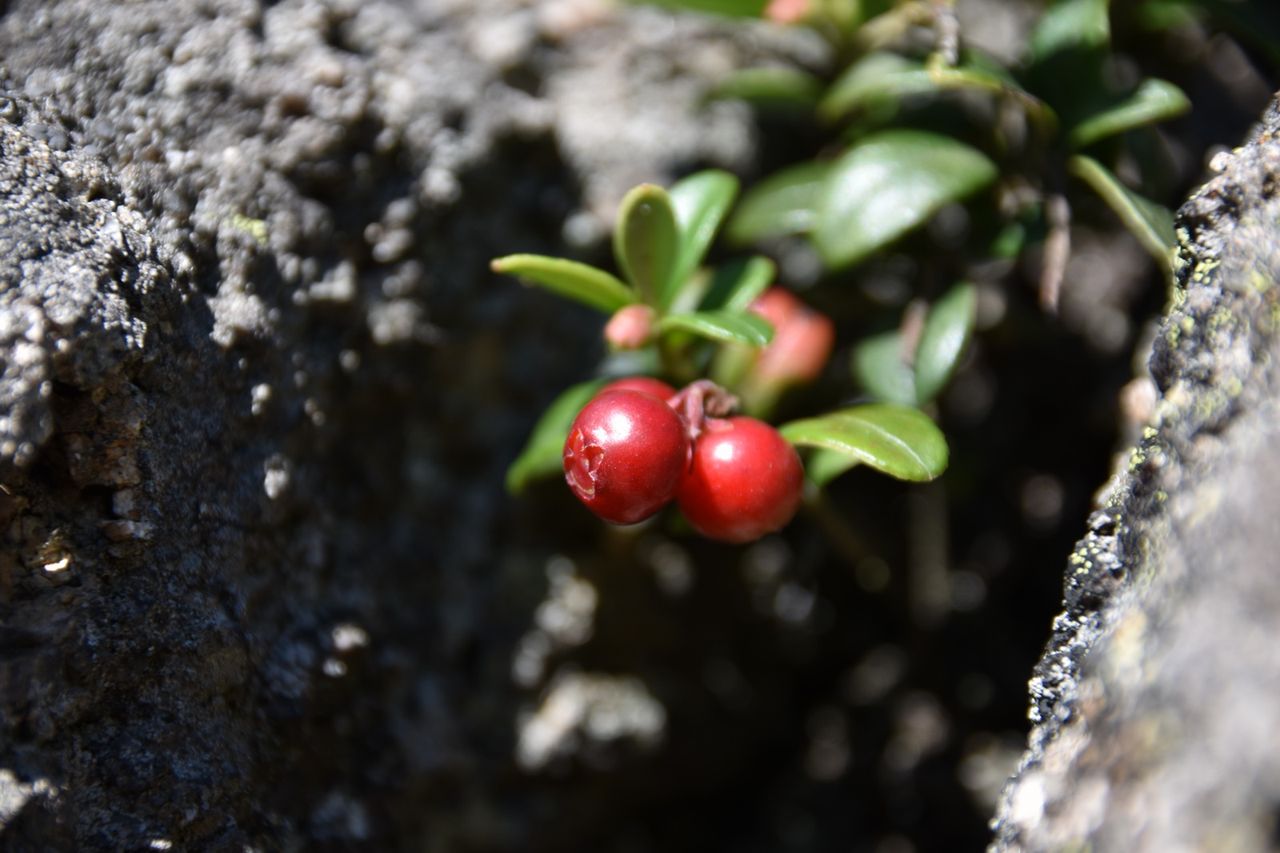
x=1151, y=223
x=725, y=326
x=783, y=203
x=1153, y=101
x=645, y=242
x=890, y=183
x=874, y=78
x=947, y=330
x=701, y=202
x=880, y=368
x=770, y=86
x=877, y=81
x=570, y=279
x=543, y=453
x=899, y=440
x=737, y=283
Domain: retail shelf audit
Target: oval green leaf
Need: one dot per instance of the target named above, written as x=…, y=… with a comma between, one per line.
x=737, y=284
x=889, y=184
x=573, y=280
x=725, y=326
x=875, y=78
x=876, y=82
x=1071, y=25
x=1151, y=223
x=947, y=330
x=898, y=440
x=1153, y=101
x=783, y=203
x=543, y=453
x=770, y=86
x=701, y=202
x=646, y=240
x=879, y=367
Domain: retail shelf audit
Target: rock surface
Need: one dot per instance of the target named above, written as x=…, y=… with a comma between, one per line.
x=253, y=369
x=1155, y=707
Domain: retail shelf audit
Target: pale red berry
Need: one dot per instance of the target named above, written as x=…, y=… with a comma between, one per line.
x=802, y=340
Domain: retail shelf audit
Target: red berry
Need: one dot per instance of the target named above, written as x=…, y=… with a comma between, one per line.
x=643, y=384
x=745, y=481
x=625, y=455
x=802, y=339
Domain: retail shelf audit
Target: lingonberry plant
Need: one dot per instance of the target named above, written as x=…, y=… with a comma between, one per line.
x=1016, y=146
x=734, y=340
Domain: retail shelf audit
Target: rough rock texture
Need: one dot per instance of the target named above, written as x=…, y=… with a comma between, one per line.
x=1156, y=708
x=253, y=370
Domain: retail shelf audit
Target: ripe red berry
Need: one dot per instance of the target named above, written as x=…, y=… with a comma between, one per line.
x=625, y=455
x=745, y=481
x=643, y=384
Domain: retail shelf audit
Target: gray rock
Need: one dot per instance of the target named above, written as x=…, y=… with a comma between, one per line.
x=1155, y=707
x=254, y=591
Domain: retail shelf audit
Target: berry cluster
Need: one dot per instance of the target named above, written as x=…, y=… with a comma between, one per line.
x=639, y=444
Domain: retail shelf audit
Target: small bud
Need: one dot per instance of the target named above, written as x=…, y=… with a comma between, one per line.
x=630, y=327
x=787, y=11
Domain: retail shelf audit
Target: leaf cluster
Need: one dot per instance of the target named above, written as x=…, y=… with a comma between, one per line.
x=876, y=182
x=660, y=241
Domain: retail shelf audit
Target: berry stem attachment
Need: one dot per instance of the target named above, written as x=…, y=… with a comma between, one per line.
x=701, y=401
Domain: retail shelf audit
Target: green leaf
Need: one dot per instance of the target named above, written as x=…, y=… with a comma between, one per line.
x=875, y=78
x=1071, y=25
x=1151, y=223
x=573, y=280
x=899, y=440
x=1009, y=242
x=783, y=203
x=822, y=466
x=889, y=184
x=701, y=202
x=737, y=283
x=1068, y=59
x=947, y=330
x=1161, y=15
x=725, y=326
x=770, y=86
x=728, y=8
x=543, y=453
x=1153, y=101
x=876, y=82
x=879, y=367
x=645, y=242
